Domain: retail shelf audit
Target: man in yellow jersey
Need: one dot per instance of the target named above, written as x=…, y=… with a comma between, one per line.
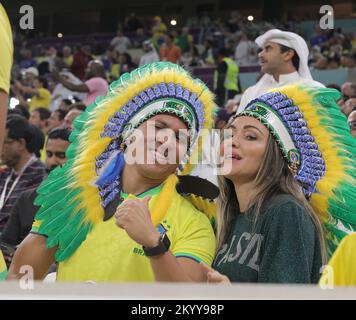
x=104, y=217
x=40, y=95
x=6, y=52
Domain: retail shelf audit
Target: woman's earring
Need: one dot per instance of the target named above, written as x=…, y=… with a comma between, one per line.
x=293, y=168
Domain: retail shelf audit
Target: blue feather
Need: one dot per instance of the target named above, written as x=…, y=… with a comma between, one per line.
x=112, y=171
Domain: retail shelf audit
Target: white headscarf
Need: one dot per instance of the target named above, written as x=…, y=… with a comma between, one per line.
x=290, y=40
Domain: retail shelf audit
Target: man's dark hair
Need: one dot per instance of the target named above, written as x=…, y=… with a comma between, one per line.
x=67, y=102
x=19, y=128
x=43, y=112
x=61, y=114
x=224, y=52
x=60, y=133
x=20, y=110
x=44, y=82
x=295, y=59
x=334, y=86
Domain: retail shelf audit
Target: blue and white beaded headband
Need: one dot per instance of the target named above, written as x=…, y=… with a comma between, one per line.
x=274, y=123
x=287, y=124
x=164, y=106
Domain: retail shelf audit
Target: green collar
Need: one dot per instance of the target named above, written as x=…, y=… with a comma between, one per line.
x=150, y=192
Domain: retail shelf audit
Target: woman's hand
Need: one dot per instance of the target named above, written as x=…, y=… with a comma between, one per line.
x=134, y=217
x=214, y=276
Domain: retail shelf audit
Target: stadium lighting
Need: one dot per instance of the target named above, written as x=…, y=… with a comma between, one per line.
x=173, y=22
x=60, y=35
x=13, y=103
x=250, y=18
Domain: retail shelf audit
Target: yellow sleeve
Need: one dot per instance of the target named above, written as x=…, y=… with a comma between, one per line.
x=45, y=97
x=342, y=264
x=6, y=51
x=195, y=238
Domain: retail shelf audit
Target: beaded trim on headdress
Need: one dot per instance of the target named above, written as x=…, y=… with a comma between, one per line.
x=323, y=160
x=73, y=197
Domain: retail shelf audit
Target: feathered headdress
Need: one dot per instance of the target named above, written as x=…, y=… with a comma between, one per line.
x=72, y=199
x=314, y=138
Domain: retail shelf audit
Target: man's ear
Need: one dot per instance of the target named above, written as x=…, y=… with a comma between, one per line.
x=288, y=55
x=22, y=143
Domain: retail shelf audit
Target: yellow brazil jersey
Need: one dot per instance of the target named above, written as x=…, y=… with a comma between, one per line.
x=6, y=51
x=341, y=269
x=43, y=99
x=109, y=254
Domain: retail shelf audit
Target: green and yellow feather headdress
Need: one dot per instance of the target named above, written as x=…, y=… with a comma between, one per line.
x=314, y=138
x=72, y=199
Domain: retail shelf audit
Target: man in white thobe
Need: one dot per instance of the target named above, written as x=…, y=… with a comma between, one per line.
x=283, y=60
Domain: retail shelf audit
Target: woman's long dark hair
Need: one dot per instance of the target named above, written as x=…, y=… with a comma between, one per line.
x=273, y=177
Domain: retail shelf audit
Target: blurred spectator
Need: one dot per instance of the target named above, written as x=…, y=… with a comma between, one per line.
x=348, y=60
x=231, y=106
x=24, y=170
x=56, y=119
x=226, y=77
x=27, y=61
x=120, y=43
x=348, y=90
x=208, y=53
x=351, y=120
x=70, y=117
x=333, y=61
x=158, y=30
x=334, y=86
x=192, y=59
x=67, y=56
x=150, y=54
x=60, y=92
x=221, y=119
x=65, y=105
x=30, y=75
x=81, y=58
x=40, y=95
x=20, y=110
x=348, y=106
x=94, y=86
x=140, y=37
x=169, y=51
x=184, y=40
x=125, y=63
x=23, y=212
x=233, y=23
x=39, y=118
x=132, y=23
x=77, y=106
x=43, y=69
x=318, y=37
x=242, y=51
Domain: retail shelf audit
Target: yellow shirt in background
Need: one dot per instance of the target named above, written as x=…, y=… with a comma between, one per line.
x=43, y=99
x=343, y=264
x=6, y=51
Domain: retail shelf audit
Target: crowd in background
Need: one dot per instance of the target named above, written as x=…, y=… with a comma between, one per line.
x=51, y=86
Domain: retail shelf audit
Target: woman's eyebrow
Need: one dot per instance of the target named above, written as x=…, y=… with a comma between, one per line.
x=252, y=127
